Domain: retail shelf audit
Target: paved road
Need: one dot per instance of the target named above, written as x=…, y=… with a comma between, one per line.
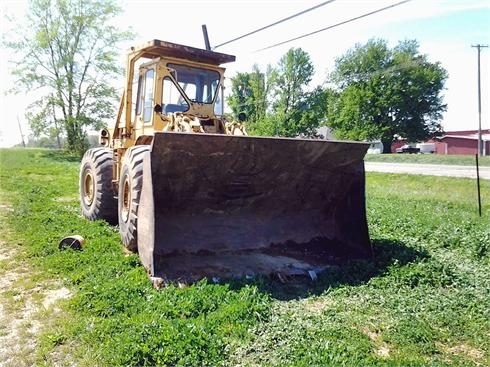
x=428, y=169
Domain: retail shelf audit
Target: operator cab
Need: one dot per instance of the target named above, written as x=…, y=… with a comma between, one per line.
x=186, y=84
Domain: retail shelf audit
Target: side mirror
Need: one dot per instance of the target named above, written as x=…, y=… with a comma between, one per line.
x=158, y=108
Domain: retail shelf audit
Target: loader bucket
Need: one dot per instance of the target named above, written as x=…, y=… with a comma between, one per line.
x=226, y=206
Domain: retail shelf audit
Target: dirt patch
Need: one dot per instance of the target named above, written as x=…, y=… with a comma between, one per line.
x=54, y=295
x=6, y=208
x=4, y=252
x=477, y=356
x=65, y=199
x=382, y=349
x=7, y=278
x=25, y=306
x=16, y=315
x=317, y=306
x=4, y=256
x=473, y=353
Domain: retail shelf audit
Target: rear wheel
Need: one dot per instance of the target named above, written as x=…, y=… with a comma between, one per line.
x=95, y=185
x=130, y=183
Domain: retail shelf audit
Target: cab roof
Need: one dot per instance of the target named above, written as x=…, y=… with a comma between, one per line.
x=157, y=48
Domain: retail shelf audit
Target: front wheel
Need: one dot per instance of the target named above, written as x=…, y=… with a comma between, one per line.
x=130, y=183
x=97, y=198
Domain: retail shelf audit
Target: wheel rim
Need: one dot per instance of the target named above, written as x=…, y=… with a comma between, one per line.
x=126, y=200
x=88, y=188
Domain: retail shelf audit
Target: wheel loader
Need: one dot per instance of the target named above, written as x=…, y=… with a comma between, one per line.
x=197, y=197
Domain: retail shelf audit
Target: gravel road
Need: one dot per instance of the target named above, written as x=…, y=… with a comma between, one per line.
x=428, y=169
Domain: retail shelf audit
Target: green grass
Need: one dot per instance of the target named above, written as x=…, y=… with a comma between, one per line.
x=424, y=299
x=462, y=160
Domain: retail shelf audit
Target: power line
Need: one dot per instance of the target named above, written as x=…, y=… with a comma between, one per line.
x=389, y=70
x=275, y=23
x=335, y=25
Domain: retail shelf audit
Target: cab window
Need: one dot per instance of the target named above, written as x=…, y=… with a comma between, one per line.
x=172, y=99
x=148, y=99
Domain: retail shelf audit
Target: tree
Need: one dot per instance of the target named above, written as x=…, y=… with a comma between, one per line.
x=380, y=93
x=277, y=102
x=43, y=122
x=249, y=95
x=291, y=102
x=68, y=50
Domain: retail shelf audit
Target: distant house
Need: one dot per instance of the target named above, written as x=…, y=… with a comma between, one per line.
x=325, y=132
x=455, y=142
x=375, y=147
x=397, y=144
x=462, y=142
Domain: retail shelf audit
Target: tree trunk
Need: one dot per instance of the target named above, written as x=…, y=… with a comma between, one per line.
x=57, y=126
x=386, y=146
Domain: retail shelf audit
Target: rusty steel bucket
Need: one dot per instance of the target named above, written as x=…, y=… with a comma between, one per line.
x=225, y=206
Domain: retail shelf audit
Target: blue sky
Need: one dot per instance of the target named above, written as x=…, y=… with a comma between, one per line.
x=445, y=30
x=458, y=26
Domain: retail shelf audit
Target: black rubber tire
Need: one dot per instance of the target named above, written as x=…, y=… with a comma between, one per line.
x=130, y=183
x=97, y=198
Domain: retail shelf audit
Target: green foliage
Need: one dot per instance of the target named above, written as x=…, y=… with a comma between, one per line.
x=277, y=103
x=249, y=95
x=378, y=93
x=293, y=74
x=69, y=51
x=423, y=299
x=382, y=92
x=295, y=112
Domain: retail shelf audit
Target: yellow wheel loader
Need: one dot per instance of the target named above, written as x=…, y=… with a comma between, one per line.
x=197, y=197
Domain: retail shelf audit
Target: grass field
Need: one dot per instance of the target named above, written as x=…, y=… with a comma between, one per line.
x=423, y=299
x=462, y=160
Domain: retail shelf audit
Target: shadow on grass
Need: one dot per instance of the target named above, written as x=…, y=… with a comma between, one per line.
x=354, y=272
x=61, y=155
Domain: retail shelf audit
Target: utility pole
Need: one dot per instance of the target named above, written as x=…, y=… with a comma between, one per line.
x=21, y=134
x=480, y=143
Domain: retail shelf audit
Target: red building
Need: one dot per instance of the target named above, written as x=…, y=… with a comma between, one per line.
x=462, y=142
x=456, y=142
